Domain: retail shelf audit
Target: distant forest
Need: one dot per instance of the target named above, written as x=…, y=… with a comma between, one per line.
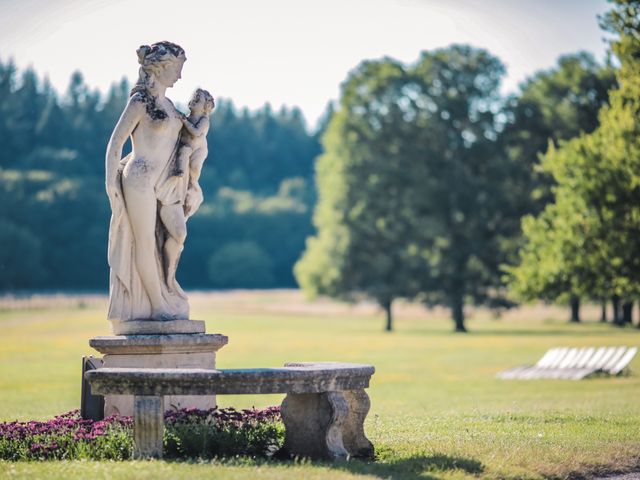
x=54, y=213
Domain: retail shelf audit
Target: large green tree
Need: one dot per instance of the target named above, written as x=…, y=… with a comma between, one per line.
x=594, y=224
x=412, y=186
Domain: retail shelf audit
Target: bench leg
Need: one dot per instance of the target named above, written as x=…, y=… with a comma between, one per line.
x=326, y=425
x=148, y=426
x=353, y=437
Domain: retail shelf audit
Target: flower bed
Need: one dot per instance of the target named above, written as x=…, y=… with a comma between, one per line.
x=189, y=433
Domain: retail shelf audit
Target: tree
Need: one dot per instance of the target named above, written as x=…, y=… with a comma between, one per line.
x=553, y=105
x=412, y=186
x=363, y=244
x=597, y=192
x=466, y=181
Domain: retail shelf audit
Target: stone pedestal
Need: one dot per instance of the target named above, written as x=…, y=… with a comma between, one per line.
x=159, y=351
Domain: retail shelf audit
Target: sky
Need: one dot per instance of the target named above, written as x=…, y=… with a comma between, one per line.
x=286, y=52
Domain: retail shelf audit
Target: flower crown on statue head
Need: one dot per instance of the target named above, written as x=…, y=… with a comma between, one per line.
x=159, y=52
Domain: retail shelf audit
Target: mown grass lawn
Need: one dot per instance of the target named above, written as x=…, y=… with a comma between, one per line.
x=437, y=410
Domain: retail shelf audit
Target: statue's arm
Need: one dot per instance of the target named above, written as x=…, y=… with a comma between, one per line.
x=126, y=124
x=201, y=127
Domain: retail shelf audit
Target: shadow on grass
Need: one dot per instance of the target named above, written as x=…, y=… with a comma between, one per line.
x=418, y=467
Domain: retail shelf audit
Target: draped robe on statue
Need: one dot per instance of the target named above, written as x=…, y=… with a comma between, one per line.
x=128, y=299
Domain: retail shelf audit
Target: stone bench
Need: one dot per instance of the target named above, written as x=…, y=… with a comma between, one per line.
x=323, y=412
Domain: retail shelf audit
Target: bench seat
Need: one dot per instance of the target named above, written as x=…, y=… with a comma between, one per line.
x=323, y=412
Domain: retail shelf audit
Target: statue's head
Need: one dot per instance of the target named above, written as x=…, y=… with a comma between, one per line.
x=202, y=99
x=160, y=65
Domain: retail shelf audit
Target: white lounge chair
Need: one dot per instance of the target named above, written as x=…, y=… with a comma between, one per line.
x=574, y=363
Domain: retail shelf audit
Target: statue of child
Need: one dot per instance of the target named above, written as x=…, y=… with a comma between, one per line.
x=193, y=142
x=193, y=151
x=181, y=196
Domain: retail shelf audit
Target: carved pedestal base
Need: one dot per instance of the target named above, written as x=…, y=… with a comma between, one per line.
x=159, y=351
x=326, y=425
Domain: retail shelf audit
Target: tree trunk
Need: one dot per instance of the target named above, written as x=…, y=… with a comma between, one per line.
x=603, y=314
x=389, y=315
x=627, y=312
x=457, y=310
x=575, y=309
x=617, y=318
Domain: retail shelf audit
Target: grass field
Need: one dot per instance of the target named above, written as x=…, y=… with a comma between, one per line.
x=437, y=410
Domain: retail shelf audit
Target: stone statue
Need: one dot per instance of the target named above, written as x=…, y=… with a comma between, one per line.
x=153, y=191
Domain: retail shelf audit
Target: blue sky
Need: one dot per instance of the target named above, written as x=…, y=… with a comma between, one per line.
x=286, y=52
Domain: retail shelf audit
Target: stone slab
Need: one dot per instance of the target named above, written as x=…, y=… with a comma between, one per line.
x=298, y=378
x=157, y=327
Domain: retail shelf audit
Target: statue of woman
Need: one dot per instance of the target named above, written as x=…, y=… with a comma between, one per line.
x=142, y=239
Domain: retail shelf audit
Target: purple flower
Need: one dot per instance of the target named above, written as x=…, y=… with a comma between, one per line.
x=57, y=437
